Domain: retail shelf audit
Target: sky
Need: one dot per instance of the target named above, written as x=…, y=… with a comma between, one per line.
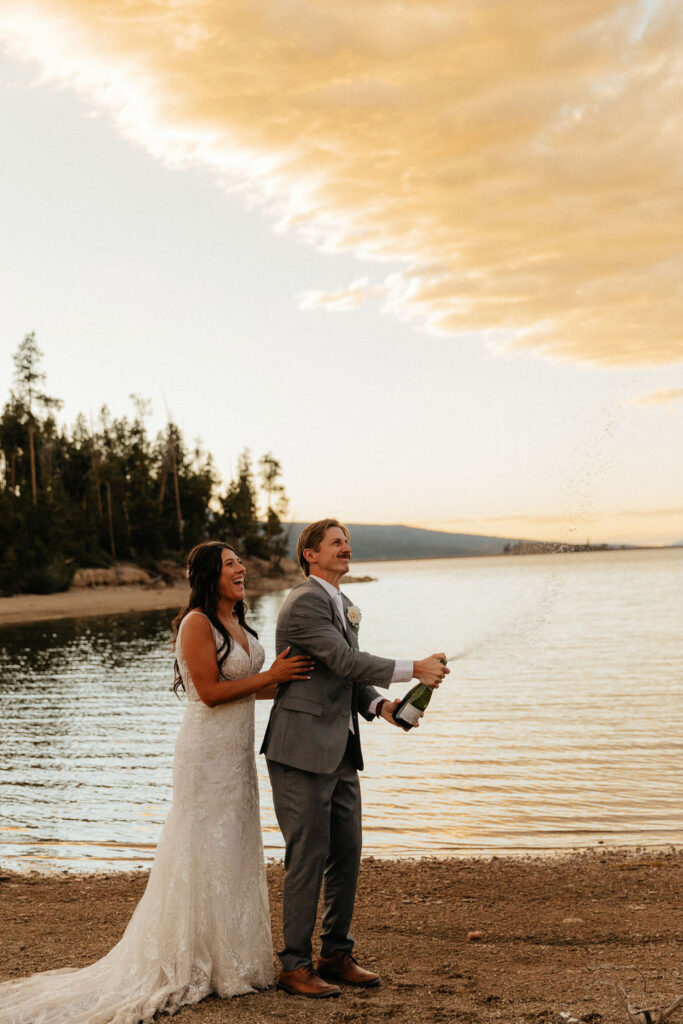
x=426, y=253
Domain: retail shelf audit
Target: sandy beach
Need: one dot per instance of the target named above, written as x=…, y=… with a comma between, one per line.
x=557, y=935
x=79, y=602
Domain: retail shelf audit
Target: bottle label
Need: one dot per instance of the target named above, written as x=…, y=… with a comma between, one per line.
x=410, y=714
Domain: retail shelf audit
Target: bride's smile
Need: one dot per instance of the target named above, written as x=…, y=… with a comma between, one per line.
x=232, y=577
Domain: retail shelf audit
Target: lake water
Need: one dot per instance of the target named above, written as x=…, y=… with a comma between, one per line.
x=560, y=726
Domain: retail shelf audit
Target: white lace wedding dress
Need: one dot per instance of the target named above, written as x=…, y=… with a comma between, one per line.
x=202, y=924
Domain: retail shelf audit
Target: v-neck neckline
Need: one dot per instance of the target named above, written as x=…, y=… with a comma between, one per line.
x=247, y=649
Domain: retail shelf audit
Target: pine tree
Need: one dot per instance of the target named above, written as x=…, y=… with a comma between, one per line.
x=28, y=380
x=238, y=521
x=93, y=494
x=277, y=505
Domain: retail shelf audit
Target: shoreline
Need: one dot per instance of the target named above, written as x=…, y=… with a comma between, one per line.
x=548, y=930
x=50, y=866
x=83, y=602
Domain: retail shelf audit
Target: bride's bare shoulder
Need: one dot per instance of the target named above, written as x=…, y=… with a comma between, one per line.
x=195, y=626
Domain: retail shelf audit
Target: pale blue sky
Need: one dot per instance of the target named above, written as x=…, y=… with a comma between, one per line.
x=140, y=277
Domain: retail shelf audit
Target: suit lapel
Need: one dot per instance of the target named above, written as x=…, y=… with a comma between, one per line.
x=343, y=627
x=350, y=631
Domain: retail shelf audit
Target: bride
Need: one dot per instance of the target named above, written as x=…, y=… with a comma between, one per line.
x=202, y=924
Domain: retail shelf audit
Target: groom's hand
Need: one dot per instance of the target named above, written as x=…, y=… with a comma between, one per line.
x=387, y=711
x=431, y=670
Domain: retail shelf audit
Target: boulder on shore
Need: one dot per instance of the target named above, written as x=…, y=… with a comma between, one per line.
x=118, y=576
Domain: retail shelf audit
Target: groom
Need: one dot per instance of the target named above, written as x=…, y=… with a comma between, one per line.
x=312, y=746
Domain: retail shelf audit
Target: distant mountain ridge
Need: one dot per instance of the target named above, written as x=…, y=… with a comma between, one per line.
x=384, y=542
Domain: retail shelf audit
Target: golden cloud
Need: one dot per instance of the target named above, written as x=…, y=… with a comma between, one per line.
x=521, y=163
x=355, y=295
x=665, y=396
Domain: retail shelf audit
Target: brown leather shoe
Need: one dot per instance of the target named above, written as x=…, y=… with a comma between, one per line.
x=341, y=966
x=305, y=982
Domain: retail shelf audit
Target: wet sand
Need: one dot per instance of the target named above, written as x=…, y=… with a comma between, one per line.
x=557, y=936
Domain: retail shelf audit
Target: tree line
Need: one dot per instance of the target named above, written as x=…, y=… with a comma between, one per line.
x=89, y=495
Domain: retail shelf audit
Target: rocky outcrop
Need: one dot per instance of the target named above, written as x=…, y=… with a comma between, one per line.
x=262, y=577
x=118, y=576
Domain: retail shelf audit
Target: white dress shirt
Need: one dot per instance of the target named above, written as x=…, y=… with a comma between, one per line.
x=403, y=668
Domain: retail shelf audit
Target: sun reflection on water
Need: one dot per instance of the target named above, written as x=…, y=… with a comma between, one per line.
x=553, y=731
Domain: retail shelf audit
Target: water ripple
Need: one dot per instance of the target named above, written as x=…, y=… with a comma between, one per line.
x=561, y=724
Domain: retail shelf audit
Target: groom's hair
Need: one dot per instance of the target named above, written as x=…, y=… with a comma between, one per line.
x=312, y=536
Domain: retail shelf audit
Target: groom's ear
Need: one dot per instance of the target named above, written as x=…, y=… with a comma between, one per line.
x=307, y=552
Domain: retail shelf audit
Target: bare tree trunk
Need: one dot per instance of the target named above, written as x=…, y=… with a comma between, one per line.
x=127, y=518
x=32, y=460
x=174, y=466
x=164, y=477
x=96, y=477
x=111, y=520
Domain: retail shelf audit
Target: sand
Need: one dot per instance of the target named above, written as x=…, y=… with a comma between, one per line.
x=556, y=935
x=79, y=602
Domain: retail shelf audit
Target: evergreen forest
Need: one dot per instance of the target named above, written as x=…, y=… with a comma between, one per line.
x=94, y=494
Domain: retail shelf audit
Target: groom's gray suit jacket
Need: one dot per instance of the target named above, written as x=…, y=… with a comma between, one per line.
x=309, y=722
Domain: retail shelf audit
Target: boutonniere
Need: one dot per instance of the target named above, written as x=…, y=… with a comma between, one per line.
x=353, y=614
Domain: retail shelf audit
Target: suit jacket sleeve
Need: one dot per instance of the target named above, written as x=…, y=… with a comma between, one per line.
x=366, y=695
x=310, y=628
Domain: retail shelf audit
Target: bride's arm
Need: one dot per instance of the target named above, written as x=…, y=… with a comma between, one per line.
x=268, y=693
x=199, y=651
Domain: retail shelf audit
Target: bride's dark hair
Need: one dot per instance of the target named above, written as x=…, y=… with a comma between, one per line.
x=204, y=567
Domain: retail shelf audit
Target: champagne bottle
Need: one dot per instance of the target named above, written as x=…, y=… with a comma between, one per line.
x=412, y=707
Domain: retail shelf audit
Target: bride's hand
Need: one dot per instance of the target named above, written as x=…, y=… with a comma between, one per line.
x=285, y=669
